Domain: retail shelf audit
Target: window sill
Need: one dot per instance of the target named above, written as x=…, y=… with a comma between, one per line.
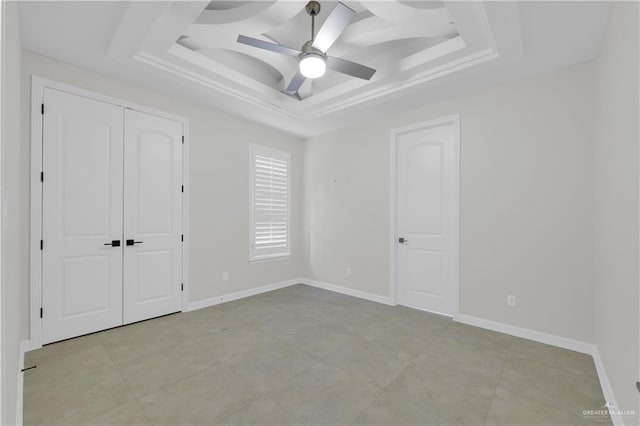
x=259, y=259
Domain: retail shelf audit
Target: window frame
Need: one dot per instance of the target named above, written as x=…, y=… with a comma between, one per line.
x=258, y=150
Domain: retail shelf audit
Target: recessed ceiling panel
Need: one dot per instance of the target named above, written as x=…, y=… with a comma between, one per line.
x=395, y=38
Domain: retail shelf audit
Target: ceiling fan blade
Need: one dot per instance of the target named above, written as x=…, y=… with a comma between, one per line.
x=296, y=82
x=335, y=24
x=261, y=44
x=350, y=68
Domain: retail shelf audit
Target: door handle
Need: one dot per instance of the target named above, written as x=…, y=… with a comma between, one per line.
x=113, y=243
x=402, y=240
x=131, y=242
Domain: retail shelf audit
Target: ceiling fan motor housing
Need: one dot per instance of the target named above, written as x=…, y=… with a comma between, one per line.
x=307, y=48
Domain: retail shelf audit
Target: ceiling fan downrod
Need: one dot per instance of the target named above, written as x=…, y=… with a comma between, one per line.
x=313, y=8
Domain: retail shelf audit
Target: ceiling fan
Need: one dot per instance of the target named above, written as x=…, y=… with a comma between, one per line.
x=312, y=57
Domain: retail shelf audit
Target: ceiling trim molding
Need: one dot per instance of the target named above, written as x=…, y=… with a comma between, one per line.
x=191, y=76
x=428, y=75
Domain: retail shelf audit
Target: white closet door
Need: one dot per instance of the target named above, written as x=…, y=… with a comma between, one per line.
x=82, y=211
x=152, y=216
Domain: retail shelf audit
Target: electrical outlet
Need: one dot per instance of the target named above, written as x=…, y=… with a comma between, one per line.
x=511, y=301
x=348, y=272
x=225, y=276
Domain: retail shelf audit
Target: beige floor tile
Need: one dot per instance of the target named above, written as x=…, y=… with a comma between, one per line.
x=64, y=347
x=479, y=337
x=245, y=309
x=261, y=412
x=319, y=340
x=382, y=311
x=210, y=320
x=511, y=408
x=60, y=366
x=199, y=399
x=393, y=335
x=448, y=396
x=349, y=317
x=225, y=344
x=389, y=409
x=325, y=312
x=279, y=323
x=283, y=299
x=77, y=401
x=574, y=362
x=125, y=344
x=306, y=291
x=370, y=361
x=464, y=358
x=271, y=366
x=150, y=373
x=123, y=415
x=420, y=323
x=302, y=355
x=325, y=395
x=553, y=386
x=341, y=300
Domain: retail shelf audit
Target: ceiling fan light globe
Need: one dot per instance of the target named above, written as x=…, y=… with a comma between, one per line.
x=312, y=66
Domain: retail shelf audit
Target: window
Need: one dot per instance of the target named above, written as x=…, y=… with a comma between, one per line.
x=270, y=199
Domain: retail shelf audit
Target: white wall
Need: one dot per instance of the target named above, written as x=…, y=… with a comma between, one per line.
x=219, y=183
x=526, y=224
x=616, y=205
x=13, y=276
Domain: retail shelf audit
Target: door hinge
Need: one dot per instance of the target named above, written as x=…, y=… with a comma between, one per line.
x=41, y=244
x=182, y=138
x=41, y=313
x=182, y=287
x=182, y=188
x=41, y=176
x=42, y=109
x=182, y=237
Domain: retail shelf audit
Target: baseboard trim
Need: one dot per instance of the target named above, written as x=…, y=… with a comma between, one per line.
x=607, y=389
x=200, y=304
x=349, y=291
x=25, y=346
x=561, y=342
x=525, y=333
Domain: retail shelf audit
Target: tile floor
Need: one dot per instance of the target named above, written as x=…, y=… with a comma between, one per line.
x=302, y=355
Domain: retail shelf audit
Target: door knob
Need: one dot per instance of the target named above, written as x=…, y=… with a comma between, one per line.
x=131, y=242
x=402, y=240
x=113, y=243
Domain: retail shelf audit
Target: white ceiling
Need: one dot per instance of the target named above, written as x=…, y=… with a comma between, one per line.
x=420, y=49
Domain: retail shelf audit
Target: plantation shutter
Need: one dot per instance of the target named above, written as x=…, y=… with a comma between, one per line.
x=270, y=203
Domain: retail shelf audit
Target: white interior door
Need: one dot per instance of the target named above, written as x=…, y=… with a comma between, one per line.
x=82, y=204
x=152, y=216
x=426, y=215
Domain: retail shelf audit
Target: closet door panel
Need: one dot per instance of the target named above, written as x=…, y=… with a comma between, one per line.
x=152, y=216
x=82, y=211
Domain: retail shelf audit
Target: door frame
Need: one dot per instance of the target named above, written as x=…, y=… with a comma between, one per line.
x=38, y=85
x=453, y=120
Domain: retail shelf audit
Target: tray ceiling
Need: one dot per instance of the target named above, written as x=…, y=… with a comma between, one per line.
x=407, y=42
x=372, y=38
x=420, y=49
